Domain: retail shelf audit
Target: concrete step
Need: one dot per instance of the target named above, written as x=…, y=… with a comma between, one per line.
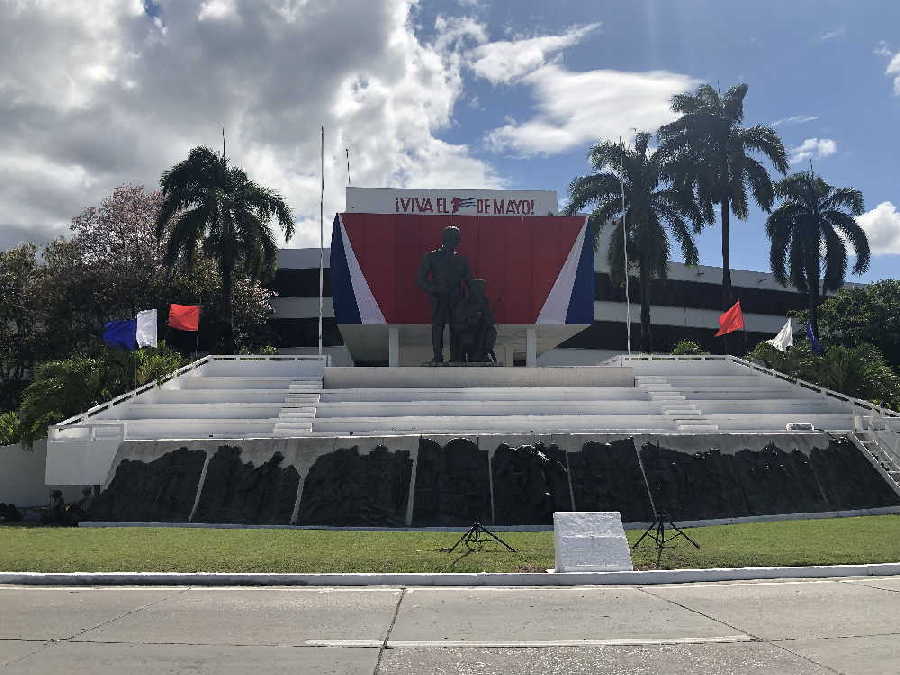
x=484, y=394
x=453, y=409
x=698, y=428
x=139, y=410
x=494, y=423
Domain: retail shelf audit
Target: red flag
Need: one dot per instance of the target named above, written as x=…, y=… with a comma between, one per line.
x=184, y=317
x=731, y=320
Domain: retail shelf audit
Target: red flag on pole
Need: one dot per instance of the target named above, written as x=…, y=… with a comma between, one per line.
x=184, y=317
x=731, y=320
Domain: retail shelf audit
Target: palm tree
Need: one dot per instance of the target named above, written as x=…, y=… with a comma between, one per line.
x=651, y=204
x=712, y=152
x=214, y=208
x=808, y=233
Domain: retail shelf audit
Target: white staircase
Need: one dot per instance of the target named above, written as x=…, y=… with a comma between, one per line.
x=299, y=407
x=684, y=415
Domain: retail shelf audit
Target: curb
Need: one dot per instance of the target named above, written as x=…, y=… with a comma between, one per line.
x=648, y=577
x=634, y=525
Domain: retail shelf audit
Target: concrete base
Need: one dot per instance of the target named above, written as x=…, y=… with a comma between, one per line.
x=590, y=542
x=344, y=378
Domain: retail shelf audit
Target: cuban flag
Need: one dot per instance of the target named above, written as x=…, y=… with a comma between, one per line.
x=133, y=333
x=538, y=269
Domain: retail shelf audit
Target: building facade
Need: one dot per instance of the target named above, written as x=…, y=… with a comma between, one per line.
x=686, y=305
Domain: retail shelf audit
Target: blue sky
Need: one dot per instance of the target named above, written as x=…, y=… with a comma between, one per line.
x=817, y=66
x=429, y=94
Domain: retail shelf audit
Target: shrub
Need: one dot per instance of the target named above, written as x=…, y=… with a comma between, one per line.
x=687, y=347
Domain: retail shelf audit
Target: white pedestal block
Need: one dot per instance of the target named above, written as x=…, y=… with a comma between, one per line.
x=590, y=542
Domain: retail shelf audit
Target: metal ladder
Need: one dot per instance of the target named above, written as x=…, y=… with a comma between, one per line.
x=879, y=456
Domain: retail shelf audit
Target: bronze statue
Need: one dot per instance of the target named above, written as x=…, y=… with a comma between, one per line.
x=443, y=275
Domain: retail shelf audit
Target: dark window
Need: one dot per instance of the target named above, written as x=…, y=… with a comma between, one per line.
x=293, y=283
x=305, y=332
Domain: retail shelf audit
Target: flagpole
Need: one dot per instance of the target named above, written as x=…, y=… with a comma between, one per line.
x=322, y=241
x=625, y=251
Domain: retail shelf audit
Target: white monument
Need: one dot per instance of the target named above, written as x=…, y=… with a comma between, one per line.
x=590, y=542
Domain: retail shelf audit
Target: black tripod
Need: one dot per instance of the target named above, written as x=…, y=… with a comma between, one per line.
x=657, y=532
x=475, y=538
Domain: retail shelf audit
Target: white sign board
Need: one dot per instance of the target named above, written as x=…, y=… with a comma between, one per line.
x=452, y=202
x=590, y=542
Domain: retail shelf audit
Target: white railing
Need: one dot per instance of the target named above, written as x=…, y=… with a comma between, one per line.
x=852, y=401
x=209, y=358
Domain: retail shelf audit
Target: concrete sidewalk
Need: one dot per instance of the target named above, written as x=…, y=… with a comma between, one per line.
x=813, y=626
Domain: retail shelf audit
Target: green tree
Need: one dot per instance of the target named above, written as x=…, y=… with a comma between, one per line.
x=654, y=210
x=859, y=371
x=867, y=314
x=214, y=208
x=712, y=153
x=65, y=387
x=807, y=234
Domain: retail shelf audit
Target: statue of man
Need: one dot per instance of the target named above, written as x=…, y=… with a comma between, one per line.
x=442, y=275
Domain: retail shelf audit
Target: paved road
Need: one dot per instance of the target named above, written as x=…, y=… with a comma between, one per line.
x=821, y=626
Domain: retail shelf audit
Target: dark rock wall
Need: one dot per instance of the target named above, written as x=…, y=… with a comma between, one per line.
x=345, y=487
x=452, y=484
x=159, y=491
x=710, y=484
x=607, y=477
x=693, y=480
x=848, y=480
x=530, y=483
x=238, y=492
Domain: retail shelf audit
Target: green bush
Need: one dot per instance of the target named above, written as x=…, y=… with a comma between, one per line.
x=66, y=387
x=860, y=371
x=9, y=428
x=687, y=347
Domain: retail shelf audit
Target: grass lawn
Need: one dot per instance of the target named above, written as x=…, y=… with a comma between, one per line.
x=868, y=539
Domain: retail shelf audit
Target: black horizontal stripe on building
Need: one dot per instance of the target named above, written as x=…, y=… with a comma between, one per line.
x=612, y=335
x=701, y=295
x=304, y=283
x=300, y=283
x=304, y=332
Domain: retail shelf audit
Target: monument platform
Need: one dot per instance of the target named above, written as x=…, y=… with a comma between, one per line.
x=450, y=377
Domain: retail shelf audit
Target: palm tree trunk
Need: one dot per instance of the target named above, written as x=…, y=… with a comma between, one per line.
x=646, y=338
x=726, y=256
x=812, y=283
x=228, y=306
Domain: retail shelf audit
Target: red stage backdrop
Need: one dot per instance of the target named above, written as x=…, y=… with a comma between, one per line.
x=520, y=258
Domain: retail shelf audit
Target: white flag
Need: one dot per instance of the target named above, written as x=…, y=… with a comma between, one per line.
x=784, y=339
x=145, y=335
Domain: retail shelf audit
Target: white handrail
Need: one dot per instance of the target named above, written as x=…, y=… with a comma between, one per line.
x=845, y=398
x=100, y=407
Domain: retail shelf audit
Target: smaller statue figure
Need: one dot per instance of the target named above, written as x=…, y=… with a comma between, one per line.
x=474, y=330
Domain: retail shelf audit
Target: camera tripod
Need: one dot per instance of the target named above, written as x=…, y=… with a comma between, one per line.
x=657, y=532
x=476, y=537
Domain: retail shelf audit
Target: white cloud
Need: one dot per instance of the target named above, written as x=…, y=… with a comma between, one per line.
x=795, y=119
x=832, y=34
x=574, y=108
x=503, y=62
x=893, y=66
x=813, y=148
x=893, y=69
x=107, y=94
x=882, y=225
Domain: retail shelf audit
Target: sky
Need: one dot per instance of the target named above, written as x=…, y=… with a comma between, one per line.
x=430, y=94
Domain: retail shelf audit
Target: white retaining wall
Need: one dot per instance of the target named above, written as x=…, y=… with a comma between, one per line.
x=22, y=476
